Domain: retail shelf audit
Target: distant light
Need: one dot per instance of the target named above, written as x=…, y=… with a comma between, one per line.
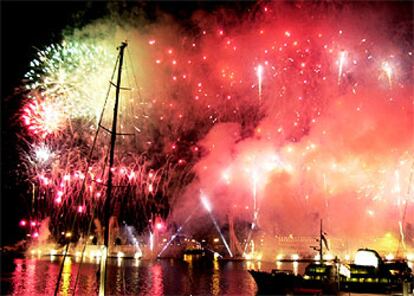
x=95, y=254
x=344, y=270
x=216, y=240
x=295, y=257
x=120, y=255
x=247, y=256
x=68, y=234
x=22, y=223
x=366, y=258
x=35, y=234
x=389, y=257
x=138, y=255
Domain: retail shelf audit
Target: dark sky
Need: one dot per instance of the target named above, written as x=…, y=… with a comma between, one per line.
x=25, y=26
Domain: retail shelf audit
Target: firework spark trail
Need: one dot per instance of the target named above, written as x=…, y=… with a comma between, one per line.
x=342, y=57
x=206, y=203
x=324, y=111
x=177, y=233
x=388, y=72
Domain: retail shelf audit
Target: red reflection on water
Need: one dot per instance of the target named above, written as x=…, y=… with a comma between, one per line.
x=38, y=277
x=29, y=277
x=157, y=288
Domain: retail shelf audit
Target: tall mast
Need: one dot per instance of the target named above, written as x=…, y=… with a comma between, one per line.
x=107, y=208
x=107, y=212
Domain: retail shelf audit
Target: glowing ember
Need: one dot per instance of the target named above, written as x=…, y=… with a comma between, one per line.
x=159, y=226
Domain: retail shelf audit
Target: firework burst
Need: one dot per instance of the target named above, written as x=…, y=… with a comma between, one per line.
x=305, y=116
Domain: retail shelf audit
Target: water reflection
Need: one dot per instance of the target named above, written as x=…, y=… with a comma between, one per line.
x=295, y=268
x=66, y=276
x=157, y=281
x=193, y=275
x=215, y=278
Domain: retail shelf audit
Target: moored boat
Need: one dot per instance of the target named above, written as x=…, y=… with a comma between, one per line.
x=368, y=274
x=332, y=278
x=320, y=277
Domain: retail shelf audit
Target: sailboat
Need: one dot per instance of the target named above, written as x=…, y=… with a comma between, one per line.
x=109, y=216
x=107, y=210
x=106, y=250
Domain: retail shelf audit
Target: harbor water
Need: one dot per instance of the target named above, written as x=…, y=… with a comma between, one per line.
x=192, y=275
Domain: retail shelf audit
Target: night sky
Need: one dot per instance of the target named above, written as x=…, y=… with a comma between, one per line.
x=28, y=26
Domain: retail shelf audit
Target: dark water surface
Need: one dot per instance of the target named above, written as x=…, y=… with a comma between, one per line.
x=191, y=276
